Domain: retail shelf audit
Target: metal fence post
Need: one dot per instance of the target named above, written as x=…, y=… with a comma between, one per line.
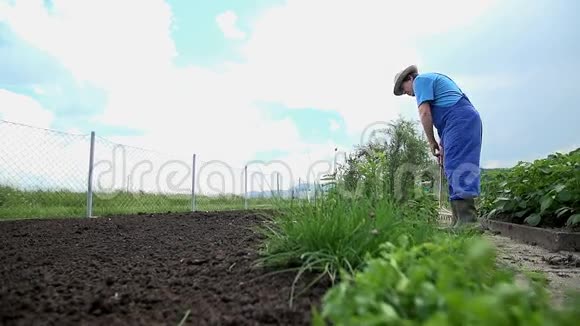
x=90, y=180
x=246, y=187
x=315, y=192
x=299, y=188
x=334, y=160
x=193, y=184
x=278, y=183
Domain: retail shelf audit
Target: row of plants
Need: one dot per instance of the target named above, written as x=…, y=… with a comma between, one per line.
x=387, y=259
x=389, y=263
x=447, y=281
x=543, y=193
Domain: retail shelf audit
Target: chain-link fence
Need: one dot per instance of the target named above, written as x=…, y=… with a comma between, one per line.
x=47, y=173
x=42, y=172
x=127, y=179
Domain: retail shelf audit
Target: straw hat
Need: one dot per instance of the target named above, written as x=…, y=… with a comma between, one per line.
x=400, y=76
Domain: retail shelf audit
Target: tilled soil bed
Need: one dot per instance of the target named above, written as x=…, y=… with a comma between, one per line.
x=143, y=270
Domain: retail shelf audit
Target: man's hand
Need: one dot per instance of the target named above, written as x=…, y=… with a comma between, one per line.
x=440, y=158
x=435, y=149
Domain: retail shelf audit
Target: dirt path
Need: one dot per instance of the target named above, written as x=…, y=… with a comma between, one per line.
x=562, y=269
x=145, y=270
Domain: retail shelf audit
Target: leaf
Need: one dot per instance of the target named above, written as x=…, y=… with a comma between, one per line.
x=565, y=196
x=521, y=213
x=573, y=220
x=562, y=210
x=317, y=318
x=533, y=219
x=559, y=187
x=546, y=203
x=510, y=205
x=501, y=199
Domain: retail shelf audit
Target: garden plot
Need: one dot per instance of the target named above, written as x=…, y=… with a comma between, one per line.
x=146, y=269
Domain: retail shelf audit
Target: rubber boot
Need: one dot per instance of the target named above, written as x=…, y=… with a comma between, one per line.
x=466, y=212
x=467, y=215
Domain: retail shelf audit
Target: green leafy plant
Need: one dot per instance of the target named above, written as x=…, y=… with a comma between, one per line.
x=423, y=206
x=450, y=281
x=545, y=192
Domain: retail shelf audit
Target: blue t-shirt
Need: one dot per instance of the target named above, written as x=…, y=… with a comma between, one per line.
x=439, y=89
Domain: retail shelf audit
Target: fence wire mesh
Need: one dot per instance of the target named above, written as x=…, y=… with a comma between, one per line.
x=42, y=172
x=128, y=179
x=45, y=173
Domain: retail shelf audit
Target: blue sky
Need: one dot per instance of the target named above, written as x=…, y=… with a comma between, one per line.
x=198, y=39
x=289, y=78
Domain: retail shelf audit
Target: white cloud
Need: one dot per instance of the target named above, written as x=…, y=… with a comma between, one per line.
x=495, y=164
x=179, y=109
x=568, y=149
x=329, y=55
x=108, y=43
x=227, y=23
x=23, y=109
x=343, y=55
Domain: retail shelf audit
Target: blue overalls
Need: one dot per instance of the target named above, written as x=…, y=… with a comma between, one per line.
x=460, y=129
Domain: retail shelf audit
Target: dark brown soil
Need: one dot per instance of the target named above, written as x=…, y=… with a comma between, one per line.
x=145, y=270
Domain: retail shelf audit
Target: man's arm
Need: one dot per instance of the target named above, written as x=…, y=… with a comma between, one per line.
x=427, y=121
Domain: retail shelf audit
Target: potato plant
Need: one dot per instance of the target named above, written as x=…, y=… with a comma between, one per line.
x=543, y=193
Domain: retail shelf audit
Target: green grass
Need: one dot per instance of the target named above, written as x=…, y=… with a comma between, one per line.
x=338, y=233
x=16, y=204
